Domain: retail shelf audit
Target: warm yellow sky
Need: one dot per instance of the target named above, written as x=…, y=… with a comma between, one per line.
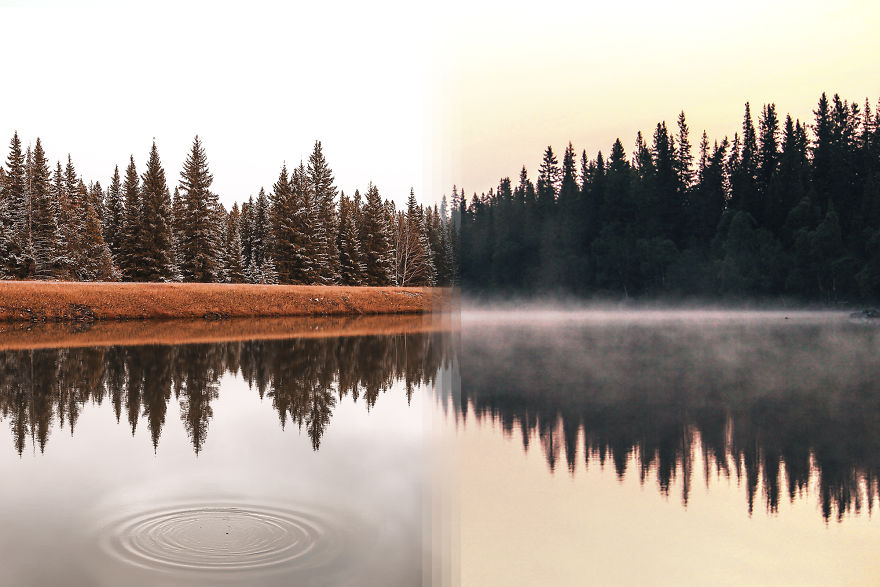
x=516, y=77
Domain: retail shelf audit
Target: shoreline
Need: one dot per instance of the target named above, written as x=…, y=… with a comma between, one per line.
x=42, y=301
x=16, y=336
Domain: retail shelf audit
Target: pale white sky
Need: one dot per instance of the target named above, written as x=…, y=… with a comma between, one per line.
x=408, y=94
x=258, y=81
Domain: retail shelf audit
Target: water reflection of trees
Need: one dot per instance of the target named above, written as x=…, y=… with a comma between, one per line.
x=786, y=411
x=304, y=378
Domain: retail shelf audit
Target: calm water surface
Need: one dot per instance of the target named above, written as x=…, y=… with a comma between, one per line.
x=669, y=448
x=527, y=448
x=260, y=462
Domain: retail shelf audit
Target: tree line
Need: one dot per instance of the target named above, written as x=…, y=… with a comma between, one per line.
x=55, y=226
x=786, y=208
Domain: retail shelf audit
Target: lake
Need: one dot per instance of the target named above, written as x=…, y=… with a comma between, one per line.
x=501, y=447
x=668, y=447
x=246, y=461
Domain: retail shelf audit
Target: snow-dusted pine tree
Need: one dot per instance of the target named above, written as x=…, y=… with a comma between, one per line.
x=246, y=226
x=44, y=227
x=233, y=260
x=131, y=238
x=97, y=263
x=114, y=216
x=252, y=273
x=375, y=240
x=157, y=242
x=14, y=214
x=323, y=193
x=268, y=274
x=351, y=265
x=261, y=228
x=199, y=254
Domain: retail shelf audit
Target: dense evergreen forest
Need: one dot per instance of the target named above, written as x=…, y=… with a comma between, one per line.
x=786, y=209
x=55, y=226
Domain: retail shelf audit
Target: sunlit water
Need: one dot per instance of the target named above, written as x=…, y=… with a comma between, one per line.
x=669, y=447
x=575, y=448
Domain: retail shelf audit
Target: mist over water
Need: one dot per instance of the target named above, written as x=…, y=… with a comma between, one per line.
x=785, y=403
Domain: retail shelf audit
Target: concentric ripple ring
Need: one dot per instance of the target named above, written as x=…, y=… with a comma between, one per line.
x=221, y=537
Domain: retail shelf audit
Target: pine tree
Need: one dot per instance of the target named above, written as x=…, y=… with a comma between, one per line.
x=306, y=260
x=444, y=254
x=131, y=239
x=96, y=199
x=97, y=263
x=268, y=274
x=246, y=225
x=261, y=228
x=67, y=232
x=684, y=160
x=351, y=266
x=199, y=257
x=44, y=227
x=14, y=233
x=548, y=183
x=233, y=263
x=768, y=165
x=114, y=216
x=289, y=227
x=178, y=217
x=156, y=261
x=375, y=240
x=252, y=273
x=322, y=191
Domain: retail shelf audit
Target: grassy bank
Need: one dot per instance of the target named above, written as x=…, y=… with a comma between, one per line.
x=25, y=335
x=30, y=301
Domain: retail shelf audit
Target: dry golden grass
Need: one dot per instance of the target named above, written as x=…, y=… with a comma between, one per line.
x=19, y=336
x=30, y=301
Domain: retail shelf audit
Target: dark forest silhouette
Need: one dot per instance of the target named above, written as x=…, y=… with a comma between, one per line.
x=301, y=378
x=786, y=208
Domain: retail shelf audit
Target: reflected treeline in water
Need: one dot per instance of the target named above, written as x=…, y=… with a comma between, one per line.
x=788, y=409
x=41, y=389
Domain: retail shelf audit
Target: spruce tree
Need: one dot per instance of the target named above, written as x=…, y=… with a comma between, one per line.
x=323, y=192
x=114, y=216
x=14, y=233
x=177, y=221
x=130, y=242
x=199, y=255
x=351, y=266
x=684, y=160
x=288, y=223
x=548, y=183
x=233, y=263
x=305, y=260
x=247, y=230
x=375, y=238
x=44, y=227
x=261, y=228
x=97, y=263
x=156, y=261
